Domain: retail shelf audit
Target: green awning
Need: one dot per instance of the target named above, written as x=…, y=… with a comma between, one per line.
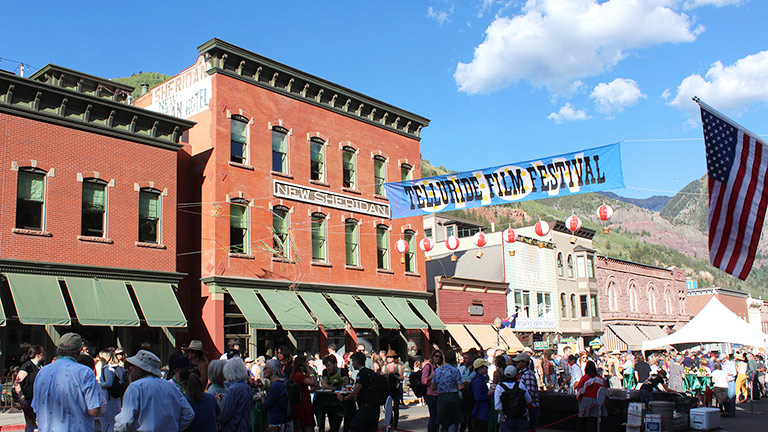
x=38, y=299
x=2, y=316
x=379, y=312
x=323, y=311
x=399, y=308
x=288, y=310
x=159, y=304
x=354, y=313
x=101, y=302
x=428, y=314
x=254, y=311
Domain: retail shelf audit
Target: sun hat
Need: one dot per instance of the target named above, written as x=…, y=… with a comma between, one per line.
x=510, y=372
x=70, y=341
x=248, y=360
x=480, y=363
x=528, y=350
x=522, y=357
x=196, y=345
x=391, y=353
x=146, y=361
x=615, y=352
x=119, y=351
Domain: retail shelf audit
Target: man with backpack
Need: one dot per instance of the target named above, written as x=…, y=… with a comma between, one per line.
x=511, y=400
x=526, y=375
x=370, y=391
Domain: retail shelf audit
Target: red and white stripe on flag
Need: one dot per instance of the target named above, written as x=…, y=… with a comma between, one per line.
x=738, y=193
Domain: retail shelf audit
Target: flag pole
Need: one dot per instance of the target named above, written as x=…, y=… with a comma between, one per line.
x=728, y=119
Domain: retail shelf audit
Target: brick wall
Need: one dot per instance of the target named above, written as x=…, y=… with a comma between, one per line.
x=735, y=302
x=454, y=303
x=65, y=152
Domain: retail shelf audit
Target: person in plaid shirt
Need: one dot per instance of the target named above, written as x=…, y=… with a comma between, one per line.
x=523, y=364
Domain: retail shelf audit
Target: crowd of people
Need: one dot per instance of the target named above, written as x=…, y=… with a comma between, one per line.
x=473, y=391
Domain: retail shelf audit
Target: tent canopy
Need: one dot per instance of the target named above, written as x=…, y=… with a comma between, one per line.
x=713, y=324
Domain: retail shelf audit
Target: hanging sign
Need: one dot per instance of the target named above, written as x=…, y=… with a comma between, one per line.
x=590, y=170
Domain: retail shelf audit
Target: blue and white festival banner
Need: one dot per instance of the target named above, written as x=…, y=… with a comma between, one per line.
x=590, y=170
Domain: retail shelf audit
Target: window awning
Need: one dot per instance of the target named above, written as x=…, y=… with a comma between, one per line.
x=485, y=334
x=352, y=311
x=428, y=314
x=252, y=308
x=630, y=334
x=323, y=311
x=2, y=315
x=288, y=310
x=399, y=308
x=101, y=302
x=379, y=312
x=159, y=304
x=461, y=336
x=38, y=299
x=509, y=338
x=652, y=331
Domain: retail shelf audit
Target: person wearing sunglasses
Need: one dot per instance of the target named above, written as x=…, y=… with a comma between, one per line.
x=427, y=373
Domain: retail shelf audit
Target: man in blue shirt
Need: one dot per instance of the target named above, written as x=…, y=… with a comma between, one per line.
x=67, y=395
x=151, y=403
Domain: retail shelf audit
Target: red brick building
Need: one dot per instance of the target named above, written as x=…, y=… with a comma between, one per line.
x=296, y=244
x=734, y=300
x=639, y=302
x=88, y=231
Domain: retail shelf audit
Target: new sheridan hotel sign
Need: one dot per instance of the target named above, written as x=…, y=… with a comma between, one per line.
x=329, y=199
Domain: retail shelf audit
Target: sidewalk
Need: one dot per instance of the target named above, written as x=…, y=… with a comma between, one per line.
x=11, y=421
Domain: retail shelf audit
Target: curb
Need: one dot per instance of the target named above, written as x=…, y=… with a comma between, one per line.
x=19, y=427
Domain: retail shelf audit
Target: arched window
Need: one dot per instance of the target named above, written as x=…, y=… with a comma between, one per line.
x=652, y=299
x=238, y=226
x=667, y=301
x=632, y=291
x=570, y=266
x=352, y=240
x=280, y=225
x=349, y=167
x=280, y=149
x=563, y=306
x=574, y=305
x=238, y=139
x=379, y=174
x=560, y=270
x=612, y=296
x=318, y=238
x=316, y=159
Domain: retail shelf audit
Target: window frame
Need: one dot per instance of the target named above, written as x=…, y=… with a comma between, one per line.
x=652, y=299
x=351, y=181
x=560, y=265
x=31, y=171
x=281, y=240
x=157, y=220
x=245, y=245
x=315, y=141
x=355, y=244
x=574, y=307
x=243, y=159
x=382, y=253
x=87, y=215
x=523, y=303
x=321, y=218
x=285, y=168
x=563, y=305
x=406, y=172
x=378, y=182
x=569, y=266
x=584, y=305
x=410, y=255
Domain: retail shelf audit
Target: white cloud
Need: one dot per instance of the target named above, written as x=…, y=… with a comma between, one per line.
x=440, y=16
x=567, y=113
x=554, y=42
x=616, y=95
x=735, y=87
x=692, y=4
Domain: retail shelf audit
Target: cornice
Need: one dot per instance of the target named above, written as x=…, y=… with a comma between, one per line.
x=242, y=282
x=233, y=61
x=82, y=83
x=88, y=271
x=582, y=232
x=49, y=103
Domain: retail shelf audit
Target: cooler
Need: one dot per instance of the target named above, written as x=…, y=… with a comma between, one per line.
x=705, y=418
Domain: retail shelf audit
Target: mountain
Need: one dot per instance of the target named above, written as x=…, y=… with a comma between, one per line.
x=654, y=203
x=672, y=234
x=137, y=79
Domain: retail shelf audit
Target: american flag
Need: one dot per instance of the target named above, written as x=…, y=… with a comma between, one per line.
x=737, y=166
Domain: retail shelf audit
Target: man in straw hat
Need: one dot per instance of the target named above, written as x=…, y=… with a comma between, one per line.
x=67, y=395
x=151, y=403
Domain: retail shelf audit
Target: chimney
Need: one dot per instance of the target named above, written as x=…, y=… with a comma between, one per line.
x=144, y=89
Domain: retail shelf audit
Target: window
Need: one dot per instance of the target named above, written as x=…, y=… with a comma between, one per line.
x=450, y=230
x=428, y=232
x=316, y=159
x=560, y=264
x=318, y=237
x=584, y=305
x=574, y=307
x=280, y=150
x=352, y=239
x=593, y=310
x=544, y=302
x=149, y=216
x=238, y=227
x=94, y=208
x=280, y=243
x=405, y=172
x=379, y=175
x=238, y=139
x=563, y=306
x=581, y=266
x=591, y=266
x=348, y=167
x=612, y=296
x=410, y=256
x=632, y=297
x=652, y=300
x=382, y=247
x=667, y=301
x=30, y=199
x=523, y=303
x=570, y=266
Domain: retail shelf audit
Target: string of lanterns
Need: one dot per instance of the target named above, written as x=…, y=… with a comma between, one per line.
x=573, y=224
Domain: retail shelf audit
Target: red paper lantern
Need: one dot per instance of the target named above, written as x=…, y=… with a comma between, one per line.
x=479, y=239
x=541, y=228
x=604, y=212
x=573, y=223
x=426, y=244
x=452, y=243
x=509, y=235
x=401, y=246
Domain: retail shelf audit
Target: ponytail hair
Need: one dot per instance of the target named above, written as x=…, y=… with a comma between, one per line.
x=192, y=384
x=32, y=352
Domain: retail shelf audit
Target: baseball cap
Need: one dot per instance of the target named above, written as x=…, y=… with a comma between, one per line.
x=480, y=363
x=523, y=357
x=510, y=372
x=70, y=341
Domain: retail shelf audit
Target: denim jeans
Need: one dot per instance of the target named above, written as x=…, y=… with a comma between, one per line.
x=533, y=416
x=732, y=398
x=432, y=407
x=514, y=425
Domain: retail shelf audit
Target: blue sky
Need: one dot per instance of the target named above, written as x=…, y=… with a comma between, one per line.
x=501, y=81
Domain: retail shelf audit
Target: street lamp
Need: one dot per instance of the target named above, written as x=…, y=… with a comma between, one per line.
x=497, y=326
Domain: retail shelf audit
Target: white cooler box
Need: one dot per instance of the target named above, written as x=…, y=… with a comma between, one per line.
x=705, y=418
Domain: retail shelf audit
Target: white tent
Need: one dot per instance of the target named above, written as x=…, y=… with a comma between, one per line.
x=713, y=324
